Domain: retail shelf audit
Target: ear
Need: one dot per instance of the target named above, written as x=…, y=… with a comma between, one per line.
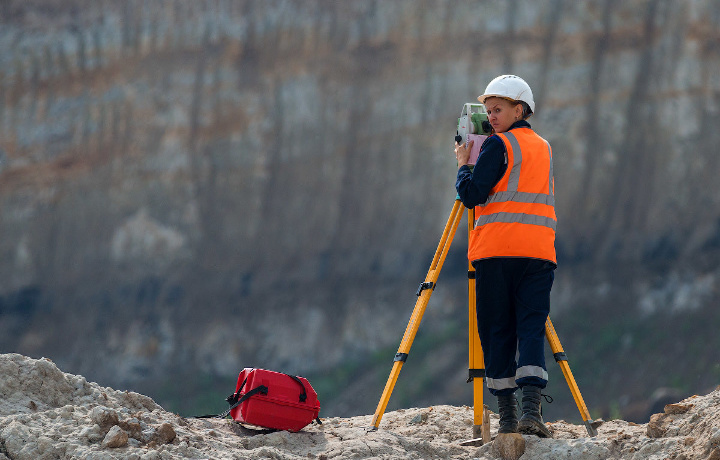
x=519, y=111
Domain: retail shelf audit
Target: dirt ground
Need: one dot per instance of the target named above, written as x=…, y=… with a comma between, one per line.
x=48, y=414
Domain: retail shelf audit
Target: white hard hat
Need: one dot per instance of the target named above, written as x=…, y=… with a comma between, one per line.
x=510, y=87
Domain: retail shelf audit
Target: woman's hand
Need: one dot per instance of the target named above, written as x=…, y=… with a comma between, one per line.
x=462, y=153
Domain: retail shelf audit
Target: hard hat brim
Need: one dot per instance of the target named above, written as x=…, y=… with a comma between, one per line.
x=483, y=97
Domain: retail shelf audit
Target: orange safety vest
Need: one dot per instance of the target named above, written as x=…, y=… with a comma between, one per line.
x=518, y=218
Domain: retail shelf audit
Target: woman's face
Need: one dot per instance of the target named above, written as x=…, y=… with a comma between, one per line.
x=502, y=113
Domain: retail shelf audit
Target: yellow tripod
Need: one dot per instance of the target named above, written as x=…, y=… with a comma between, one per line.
x=476, y=362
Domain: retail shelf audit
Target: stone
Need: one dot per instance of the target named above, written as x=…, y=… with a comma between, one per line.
x=147, y=435
x=657, y=426
x=93, y=433
x=677, y=408
x=164, y=434
x=116, y=437
x=509, y=446
x=104, y=416
x=133, y=428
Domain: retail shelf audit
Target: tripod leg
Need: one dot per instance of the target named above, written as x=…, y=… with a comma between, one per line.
x=561, y=359
x=476, y=368
x=423, y=293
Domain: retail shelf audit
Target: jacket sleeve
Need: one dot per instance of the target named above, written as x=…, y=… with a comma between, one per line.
x=473, y=186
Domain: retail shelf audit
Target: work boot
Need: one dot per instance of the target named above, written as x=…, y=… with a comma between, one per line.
x=507, y=406
x=531, y=421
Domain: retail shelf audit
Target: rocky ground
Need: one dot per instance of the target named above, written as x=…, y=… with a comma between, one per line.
x=48, y=414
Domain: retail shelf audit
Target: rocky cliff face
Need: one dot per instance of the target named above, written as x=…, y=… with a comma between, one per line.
x=220, y=184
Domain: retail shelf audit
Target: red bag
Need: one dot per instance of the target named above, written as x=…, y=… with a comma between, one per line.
x=273, y=400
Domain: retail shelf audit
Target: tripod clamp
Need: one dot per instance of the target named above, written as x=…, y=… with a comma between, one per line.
x=425, y=285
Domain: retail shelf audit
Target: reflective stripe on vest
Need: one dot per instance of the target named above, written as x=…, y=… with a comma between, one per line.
x=511, y=217
x=521, y=197
x=518, y=218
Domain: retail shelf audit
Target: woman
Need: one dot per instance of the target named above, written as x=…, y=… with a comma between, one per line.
x=512, y=249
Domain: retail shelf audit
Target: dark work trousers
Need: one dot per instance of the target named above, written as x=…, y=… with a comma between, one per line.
x=513, y=303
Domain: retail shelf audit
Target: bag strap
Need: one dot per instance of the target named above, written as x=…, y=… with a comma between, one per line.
x=234, y=401
x=261, y=389
x=303, y=395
